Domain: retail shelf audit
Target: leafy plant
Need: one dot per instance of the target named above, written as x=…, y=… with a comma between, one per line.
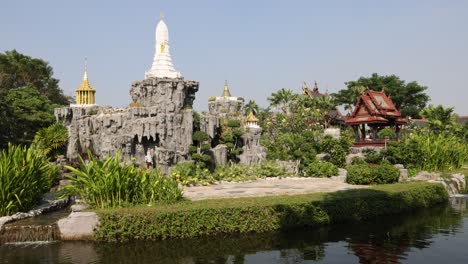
x=386, y=133
x=25, y=174
x=322, y=169
x=51, y=140
x=108, y=183
x=372, y=174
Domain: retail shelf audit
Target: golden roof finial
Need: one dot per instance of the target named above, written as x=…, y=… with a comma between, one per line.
x=226, y=92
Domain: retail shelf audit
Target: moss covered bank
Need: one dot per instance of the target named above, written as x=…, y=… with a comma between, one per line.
x=223, y=216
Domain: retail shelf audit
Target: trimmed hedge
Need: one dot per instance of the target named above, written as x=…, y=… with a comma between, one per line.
x=383, y=173
x=223, y=216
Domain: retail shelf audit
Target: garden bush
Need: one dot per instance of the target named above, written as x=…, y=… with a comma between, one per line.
x=25, y=174
x=108, y=183
x=321, y=169
x=372, y=174
x=336, y=148
x=189, y=173
x=262, y=214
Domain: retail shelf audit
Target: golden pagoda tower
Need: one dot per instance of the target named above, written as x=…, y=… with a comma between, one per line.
x=85, y=93
x=226, y=92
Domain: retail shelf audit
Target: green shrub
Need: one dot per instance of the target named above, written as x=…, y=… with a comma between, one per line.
x=25, y=174
x=189, y=173
x=233, y=123
x=270, y=169
x=372, y=174
x=262, y=214
x=104, y=184
x=386, y=133
x=372, y=156
x=433, y=152
x=52, y=140
x=338, y=149
x=321, y=169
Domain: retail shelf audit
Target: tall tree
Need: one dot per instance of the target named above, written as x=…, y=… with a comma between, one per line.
x=281, y=99
x=28, y=111
x=440, y=119
x=251, y=106
x=18, y=70
x=28, y=95
x=408, y=97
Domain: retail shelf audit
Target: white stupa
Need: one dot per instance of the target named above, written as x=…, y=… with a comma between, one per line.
x=162, y=63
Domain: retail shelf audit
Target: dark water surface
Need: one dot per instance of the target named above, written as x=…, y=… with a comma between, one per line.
x=436, y=235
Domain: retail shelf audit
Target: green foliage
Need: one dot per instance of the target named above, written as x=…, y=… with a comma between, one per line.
x=25, y=174
x=28, y=95
x=52, y=140
x=336, y=148
x=28, y=111
x=386, y=133
x=408, y=97
x=251, y=106
x=18, y=70
x=372, y=174
x=108, y=183
x=441, y=120
x=189, y=173
x=282, y=99
x=427, y=151
x=233, y=123
x=196, y=121
x=200, y=136
x=211, y=98
x=322, y=169
x=262, y=214
x=372, y=156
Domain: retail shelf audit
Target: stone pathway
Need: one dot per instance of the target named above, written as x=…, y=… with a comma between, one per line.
x=266, y=187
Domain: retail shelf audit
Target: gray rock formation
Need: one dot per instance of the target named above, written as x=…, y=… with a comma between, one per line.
x=253, y=152
x=220, y=154
x=218, y=108
x=160, y=119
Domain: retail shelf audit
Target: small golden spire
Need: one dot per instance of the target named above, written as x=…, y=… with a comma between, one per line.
x=226, y=92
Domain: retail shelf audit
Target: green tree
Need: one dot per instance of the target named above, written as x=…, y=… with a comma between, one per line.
x=18, y=70
x=28, y=95
x=251, y=106
x=409, y=98
x=199, y=137
x=440, y=119
x=281, y=99
x=28, y=111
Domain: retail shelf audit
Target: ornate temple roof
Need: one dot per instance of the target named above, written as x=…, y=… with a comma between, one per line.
x=375, y=107
x=251, y=117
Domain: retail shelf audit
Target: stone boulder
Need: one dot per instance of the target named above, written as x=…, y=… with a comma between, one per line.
x=78, y=226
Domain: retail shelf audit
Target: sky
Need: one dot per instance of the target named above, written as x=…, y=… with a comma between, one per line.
x=258, y=46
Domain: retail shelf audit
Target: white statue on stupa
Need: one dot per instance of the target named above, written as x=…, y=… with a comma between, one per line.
x=162, y=62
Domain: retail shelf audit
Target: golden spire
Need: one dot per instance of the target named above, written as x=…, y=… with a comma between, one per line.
x=226, y=92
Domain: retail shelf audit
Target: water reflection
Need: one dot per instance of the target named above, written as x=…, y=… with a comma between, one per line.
x=382, y=240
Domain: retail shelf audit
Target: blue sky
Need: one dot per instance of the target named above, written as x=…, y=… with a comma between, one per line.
x=258, y=46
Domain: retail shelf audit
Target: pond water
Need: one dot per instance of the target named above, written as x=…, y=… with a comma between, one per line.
x=436, y=235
